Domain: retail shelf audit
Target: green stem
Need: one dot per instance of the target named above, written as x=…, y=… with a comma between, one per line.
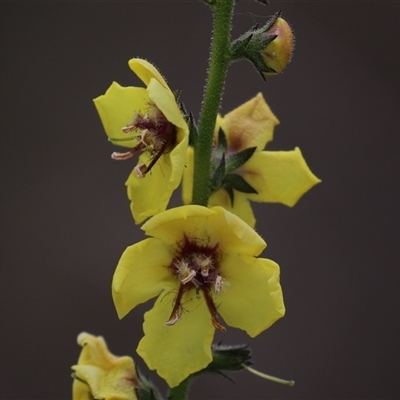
x=179, y=392
x=269, y=377
x=219, y=62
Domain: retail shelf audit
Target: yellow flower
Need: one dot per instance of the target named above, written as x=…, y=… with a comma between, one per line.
x=101, y=375
x=149, y=120
x=270, y=176
x=200, y=262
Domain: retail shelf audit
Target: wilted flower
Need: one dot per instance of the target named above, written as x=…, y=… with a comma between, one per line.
x=101, y=375
x=249, y=173
x=200, y=262
x=147, y=120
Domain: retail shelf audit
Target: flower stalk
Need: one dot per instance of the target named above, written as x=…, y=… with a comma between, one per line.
x=268, y=377
x=220, y=57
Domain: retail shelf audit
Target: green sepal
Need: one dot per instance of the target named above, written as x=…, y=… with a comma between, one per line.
x=238, y=183
x=193, y=131
x=146, y=389
x=238, y=159
x=260, y=65
x=272, y=20
x=251, y=44
x=218, y=176
x=222, y=142
x=239, y=45
x=191, y=123
x=229, y=358
x=177, y=94
x=225, y=359
x=229, y=189
x=219, y=153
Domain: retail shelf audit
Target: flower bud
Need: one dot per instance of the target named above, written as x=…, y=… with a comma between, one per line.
x=278, y=53
x=269, y=48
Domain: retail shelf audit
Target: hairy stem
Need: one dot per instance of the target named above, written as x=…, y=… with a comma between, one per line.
x=219, y=62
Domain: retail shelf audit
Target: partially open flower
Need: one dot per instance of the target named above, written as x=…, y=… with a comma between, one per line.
x=201, y=263
x=262, y=176
x=101, y=375
x=146, y=120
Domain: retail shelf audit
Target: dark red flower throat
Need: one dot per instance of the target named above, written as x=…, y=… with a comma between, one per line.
x=197, y=267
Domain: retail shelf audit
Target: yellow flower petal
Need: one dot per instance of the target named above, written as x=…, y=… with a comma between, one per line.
x=146, y=71
x=278, y=176
x=170, y=225
x=187, y=181
x=117, y=107
x=197, y=221
x=165, y=101
x=141, y=274
x=251, y=124
x=95, y=351
x=107, y=376
x=241, y=206
x=179, y=350
x=150, y=195
x=253, y=300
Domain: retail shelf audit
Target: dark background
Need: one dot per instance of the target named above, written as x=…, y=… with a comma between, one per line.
x=65, y=217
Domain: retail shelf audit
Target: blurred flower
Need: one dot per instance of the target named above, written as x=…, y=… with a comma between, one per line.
x=200, y=262
x=262, y=176
x=101, y=375
x=147, y=120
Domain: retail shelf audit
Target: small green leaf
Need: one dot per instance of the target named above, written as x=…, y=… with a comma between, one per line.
x=238, y=183
x=238, y=159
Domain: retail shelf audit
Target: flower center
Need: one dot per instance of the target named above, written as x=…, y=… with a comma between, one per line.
x=154, y=134
x=197, y=267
